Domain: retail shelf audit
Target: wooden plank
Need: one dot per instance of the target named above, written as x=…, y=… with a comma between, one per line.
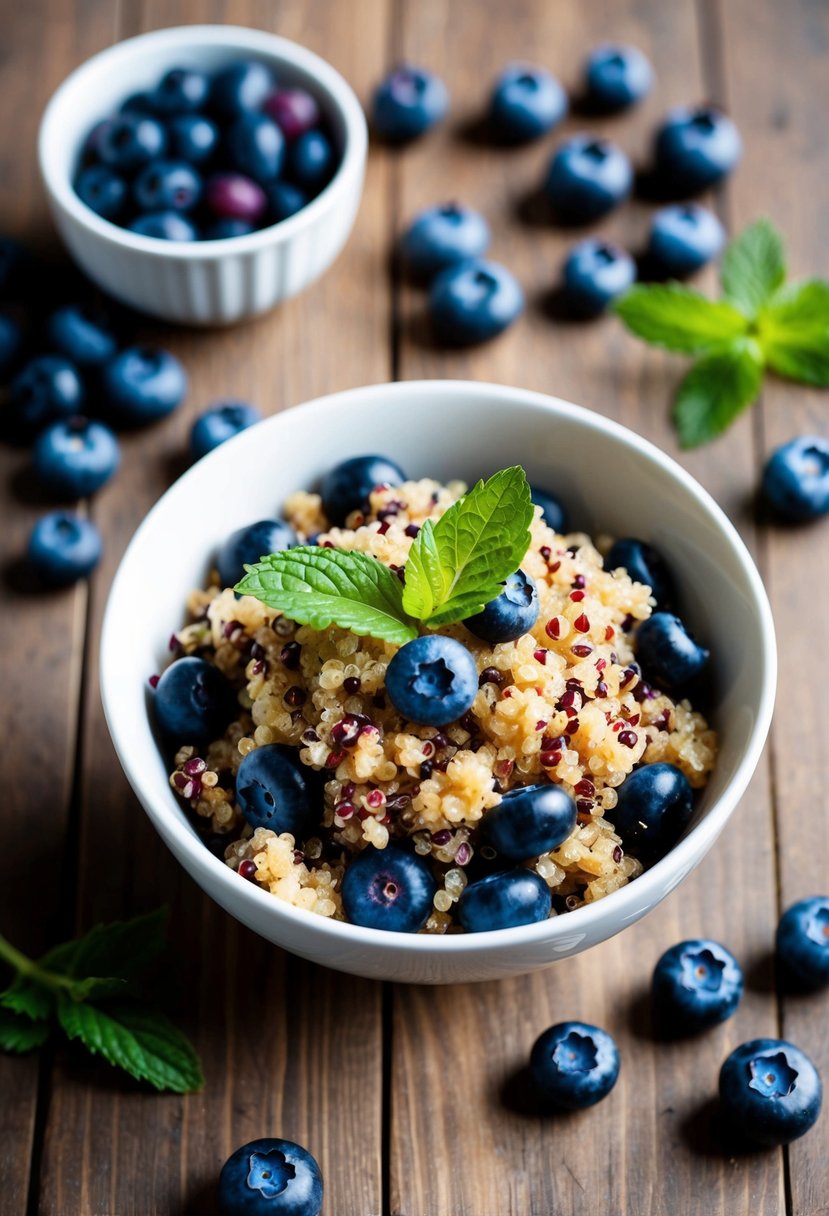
x=459, y=1146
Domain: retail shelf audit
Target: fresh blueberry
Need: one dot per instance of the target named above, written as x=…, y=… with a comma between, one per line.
x=80, y=334
x=695, y=147
x=219, y=423
x=696, y=984
x=295, y=110
x=432, y=680
x=526, y=102
x=388, y=889
x=240, y=87
x=409, y=102
x=655, y=805
x=529, y=821
x=668, y=654
x=137, y=103
x=474, y=301
x=246, y=546
x=803, y=941
x=587, y=177
x=64, y=548
x=442, y=236
x=616, y=77
x=180, y=91
x=552, y=511
x=11, y=344
x=142, y=384
x=225, y=230
x=347, y=486
x=284, y=200
x=270, y=1178
x=796, y=478
x=102, y=190
x=164, y=226
x=167, y=185
x=131, y=141
x=256, y=147
x=231, y=196
x=684, y=238
x=510, y=615
x=272, y=791
x=192, y=137
x=74, y=459
x=504, y=900
x=645, y=565
x=595, y=274
x=193, y=701
x=47, y=389
x=770, y=1091
x=311, y=161
x=574, y=1065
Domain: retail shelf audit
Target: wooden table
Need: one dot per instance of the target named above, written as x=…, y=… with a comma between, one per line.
x=403, y=1093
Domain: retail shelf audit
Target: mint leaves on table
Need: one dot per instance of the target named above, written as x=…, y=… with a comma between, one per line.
x=89, y=987
x=761, y=322
x=456, y=565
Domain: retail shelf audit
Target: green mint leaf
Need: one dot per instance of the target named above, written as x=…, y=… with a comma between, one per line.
x=753, y=267
x=121, y=950
x=19, y=1033
x=96, y=988
x=321, y=587
x=716, y=389
x=426, y=579
x=32, y=1000
x=145, y=1044
x=678, y=318
x=793, y=330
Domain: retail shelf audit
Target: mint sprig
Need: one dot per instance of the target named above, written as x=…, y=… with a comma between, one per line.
x=760, y=323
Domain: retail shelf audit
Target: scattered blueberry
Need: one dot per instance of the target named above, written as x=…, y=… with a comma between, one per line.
x=225, y=230
x=193, y=701
x=164, y=226
x=11, y=344
x=432, y=680
x=388, y=889
x=102, y=190
x=180, y=91
x=272, y=791
x=770, y=1091
x=81, y=335
x=192, y=137
x=48, y=388
x=311, y=160
x=645, y=565
x=668, y=654
x=509, y=615
x=595, y=274
x=695, y=147
x=684, y=238
x=64, y=548
x=408, y=103
x=131, y=141
x=526, y=103
x=256, y=147
x=474, y=301
x=503, y=901
x=167, y=185
x=137, y=103
x=219, y=423
x=796, y=478
x=616, y=77
x=295, y=110
x=142, y=384
x=530, y=820
x=574, y=1065
x=284, y=200
x=588, y=176
x=240, y=87
x=655, y=805
x=347, y=486
x=442, y=236
x=552, y=511
x=233, y=196
x=247, y=545
x=803, y=941
x=270, y=1178
x=696, y=984
x=76, y=458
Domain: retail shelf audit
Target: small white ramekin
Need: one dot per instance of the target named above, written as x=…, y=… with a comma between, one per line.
x=200, y=282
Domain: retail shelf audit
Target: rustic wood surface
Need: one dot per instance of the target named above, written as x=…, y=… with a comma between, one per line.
x=412, y=1098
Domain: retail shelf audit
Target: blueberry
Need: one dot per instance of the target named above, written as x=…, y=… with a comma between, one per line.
x=595, y=274
x=645, y=565
x=347, y=486
x=388, y=889
x=510, y=615
x=442, y=236
x=247, y=545
x=193, y=702
x=504, y=900
x=311, y=161
x=132, y=141
x=409, y=102
x=11, y=344
x=137, y=103
x=219, y=423
x=180, y=91
x=526, y=102
x=142, y=384
x=164, y=226
x=192, y=137
x=240, y=87
x=432, y=680
x=695, y=147
x=102, y=190
x=270, y=1178
x=64, y=548
x=284, y=200
x=529, y=821
x=81, y=335
x=667, y=653
x=295, y=110
x=256, y=147
x=234, y=196
x=684, y=238
x=167, y=185
x=226, y=230
x=803, y=941
x=474, y=301
x=552, y=511
x=616, y=77
x=587, y=177
x=272, y=791
x=574, y=1065
x=74, y=459
x=655, y=805
x=796, y=478
x=47, y=389
x=770, y=1091
x=696, y=984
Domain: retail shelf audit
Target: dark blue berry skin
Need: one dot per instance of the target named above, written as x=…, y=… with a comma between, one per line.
x=432, y=680
x=270, y=1178
x=180, y=91
x=47, y=389
x=193, y=702
x=103, y=191
x=11, y=344
x=586, y=179
x=388, y=889
x=167, y=185
x=616, y=77
x=595, y=274
x=409, y=102
x=246, y=546
x=655, y=805
x=668, y=655
x=803, y=941
x=192, y=137
x=219, y=424
x=684, y=238
x=695, y=147
x=80, y=335
x=76, y=458
x=272, y=791
x=311, y=161
x=225, y=230
x=574, y=1065
x=64, y=548
x=164, y=226
x=473, y=302
x=770, y=1092
x=529, y=821
x=347, y=486
x=256, y=147
x=552, y=511
x=240, y=87
x=137, y=103
x=131, y=141
x=142, y=384
x=503, y=901
x=511, y=614
x=644, y=565
x=696, y=984
x=443, y=236
x=526, y=103
x=285, y=200
x=796, y=478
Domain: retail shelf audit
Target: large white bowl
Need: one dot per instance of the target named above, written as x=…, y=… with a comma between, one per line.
x=200, y=282
x=611, y=480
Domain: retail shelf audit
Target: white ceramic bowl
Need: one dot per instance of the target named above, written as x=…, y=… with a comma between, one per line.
x=200, y=282
x=611, y=480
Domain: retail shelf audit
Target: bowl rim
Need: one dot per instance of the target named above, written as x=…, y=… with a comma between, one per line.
x=193, y=37
x=626, y=903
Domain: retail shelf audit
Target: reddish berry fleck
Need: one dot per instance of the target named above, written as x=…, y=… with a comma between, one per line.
x=553, y=628
x=555, y=566
x=289, y=655
x=247, y=869
x=628, y=738
x=541, y=724
x=153, y=681
x=582, y=623
x=579, y=581
x=618, y=854
x=581, y=650
x=550, y=759
x=295, y=696
x=491, y=675
x=609, y=633
x=540, y=656
x=576, y=596
x=601, y=689
x=334, y=759
x=546, y=552
x=351, y=684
